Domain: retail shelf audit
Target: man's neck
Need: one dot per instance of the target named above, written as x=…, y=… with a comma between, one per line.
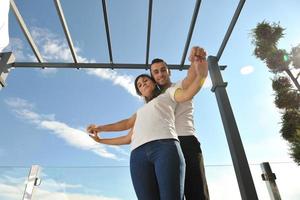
x=166, y=86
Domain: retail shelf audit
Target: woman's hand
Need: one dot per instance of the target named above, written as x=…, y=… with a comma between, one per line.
x=94, y=136
x=93, y=131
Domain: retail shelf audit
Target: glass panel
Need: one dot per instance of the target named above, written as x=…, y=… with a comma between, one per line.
x=114, y=182
x=12, y=182
x=222, y=182
x=85, y=183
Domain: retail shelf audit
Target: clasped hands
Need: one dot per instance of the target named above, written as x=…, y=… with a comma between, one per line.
x=93, y=131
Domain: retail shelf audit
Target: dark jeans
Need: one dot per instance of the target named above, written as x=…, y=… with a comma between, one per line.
x=158, y=170
x=195, y=187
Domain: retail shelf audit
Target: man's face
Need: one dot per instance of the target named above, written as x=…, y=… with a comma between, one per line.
x=160, y=73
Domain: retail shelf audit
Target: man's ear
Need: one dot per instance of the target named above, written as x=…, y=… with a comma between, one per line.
x=169, y=72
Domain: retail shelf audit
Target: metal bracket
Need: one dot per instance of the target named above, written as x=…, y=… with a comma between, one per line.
x=5, y=60
x=222, y=67
x=214, y=87
x=268, y=177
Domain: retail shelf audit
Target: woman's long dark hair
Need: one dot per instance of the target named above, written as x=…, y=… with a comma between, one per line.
x=155, y=92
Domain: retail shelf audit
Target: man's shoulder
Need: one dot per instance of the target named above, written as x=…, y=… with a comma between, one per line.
x=177, y=84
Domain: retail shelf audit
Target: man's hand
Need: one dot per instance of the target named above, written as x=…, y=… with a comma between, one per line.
x=201, y=67
x=198, y=61
x=197, y=53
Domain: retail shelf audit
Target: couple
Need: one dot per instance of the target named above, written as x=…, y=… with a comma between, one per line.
x=160, y=166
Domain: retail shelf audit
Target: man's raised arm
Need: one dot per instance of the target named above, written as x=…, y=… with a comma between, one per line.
x=191, y=74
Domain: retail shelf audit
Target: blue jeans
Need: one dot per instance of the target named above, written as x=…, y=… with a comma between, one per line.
x=158, y=170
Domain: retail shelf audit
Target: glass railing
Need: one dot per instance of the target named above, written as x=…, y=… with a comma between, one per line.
x=12, y=182
x=114, y=182
x=85, y=183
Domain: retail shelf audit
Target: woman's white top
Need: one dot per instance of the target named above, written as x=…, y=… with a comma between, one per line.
x=156, y=119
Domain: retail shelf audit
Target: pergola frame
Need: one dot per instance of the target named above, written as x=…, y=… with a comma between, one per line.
x=240, y=163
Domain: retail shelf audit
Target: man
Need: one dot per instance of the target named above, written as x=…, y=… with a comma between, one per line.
x=195, y=181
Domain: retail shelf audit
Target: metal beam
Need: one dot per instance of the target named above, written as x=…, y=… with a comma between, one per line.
x=191, y=30
x=66, y=29
x=25, y=31
x=107, y=31
x=234, y=141
x=230, y=28
x=87, y=65
x=149, y=31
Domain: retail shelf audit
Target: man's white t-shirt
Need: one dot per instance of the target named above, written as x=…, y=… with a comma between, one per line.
x=156, y=119
x=184, y=116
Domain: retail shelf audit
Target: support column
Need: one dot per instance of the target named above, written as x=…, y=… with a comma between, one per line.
x=5, y=60
x=33, y=180
x=238, y=156
x=269, y=177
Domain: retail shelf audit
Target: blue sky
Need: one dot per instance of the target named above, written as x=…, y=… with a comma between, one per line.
x=44, y=112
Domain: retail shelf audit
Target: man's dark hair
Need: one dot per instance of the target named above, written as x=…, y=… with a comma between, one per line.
x=158, y=60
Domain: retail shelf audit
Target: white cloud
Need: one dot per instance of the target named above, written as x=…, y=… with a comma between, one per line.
x=10, y=192
x=125, y=81
x=19, y=103
x=247, y=70
x=55, y=49
x=74, y=137
x=16, y=45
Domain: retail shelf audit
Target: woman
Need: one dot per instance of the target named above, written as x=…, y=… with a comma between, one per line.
x=156, y=162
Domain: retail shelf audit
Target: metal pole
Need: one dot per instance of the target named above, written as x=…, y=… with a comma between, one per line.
x=230, y=28
x=87, y=65
x=234, y=141
x=269, y=177
x=33, y=180
x=5, y=60
x=149, y=31
x=26, y=31
x=105, y=15
x=191, y=30
x=66, y=29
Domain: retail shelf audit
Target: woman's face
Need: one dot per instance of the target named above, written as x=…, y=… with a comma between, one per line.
x=145, y=86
